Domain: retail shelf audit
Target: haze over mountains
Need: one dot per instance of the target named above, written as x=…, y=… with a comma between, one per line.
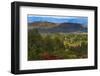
x=50, y=27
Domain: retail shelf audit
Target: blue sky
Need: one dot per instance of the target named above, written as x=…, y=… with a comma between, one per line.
x=58, y=19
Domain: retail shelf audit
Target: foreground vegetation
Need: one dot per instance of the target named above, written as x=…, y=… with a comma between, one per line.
x=56, y=45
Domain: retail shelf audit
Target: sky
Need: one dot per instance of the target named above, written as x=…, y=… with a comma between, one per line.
x=58, y=19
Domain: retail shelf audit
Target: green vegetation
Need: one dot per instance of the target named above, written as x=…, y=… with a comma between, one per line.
x=43, y=46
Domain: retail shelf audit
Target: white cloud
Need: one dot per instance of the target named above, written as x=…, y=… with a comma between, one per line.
x=67, y=17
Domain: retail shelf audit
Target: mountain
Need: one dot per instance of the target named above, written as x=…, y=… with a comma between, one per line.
x=42, y=24
x=72, y=27
x=48, y=27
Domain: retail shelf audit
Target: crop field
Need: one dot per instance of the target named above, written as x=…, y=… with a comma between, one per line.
x=51, y=46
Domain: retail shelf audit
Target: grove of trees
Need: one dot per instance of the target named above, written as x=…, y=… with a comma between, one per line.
x=56, y=45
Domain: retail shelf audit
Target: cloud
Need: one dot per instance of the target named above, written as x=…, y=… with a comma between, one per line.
x=58, y=17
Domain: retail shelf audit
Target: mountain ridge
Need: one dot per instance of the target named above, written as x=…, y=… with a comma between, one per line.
x=50, y=27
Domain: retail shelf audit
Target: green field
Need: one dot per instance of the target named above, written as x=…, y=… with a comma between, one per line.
x=51, y=46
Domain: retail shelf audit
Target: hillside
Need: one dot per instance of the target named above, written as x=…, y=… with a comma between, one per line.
x=48, y=27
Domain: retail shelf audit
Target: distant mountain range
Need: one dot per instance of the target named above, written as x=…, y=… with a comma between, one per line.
x=49, y=27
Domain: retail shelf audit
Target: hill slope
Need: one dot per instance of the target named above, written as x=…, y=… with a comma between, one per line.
x=48, y=27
